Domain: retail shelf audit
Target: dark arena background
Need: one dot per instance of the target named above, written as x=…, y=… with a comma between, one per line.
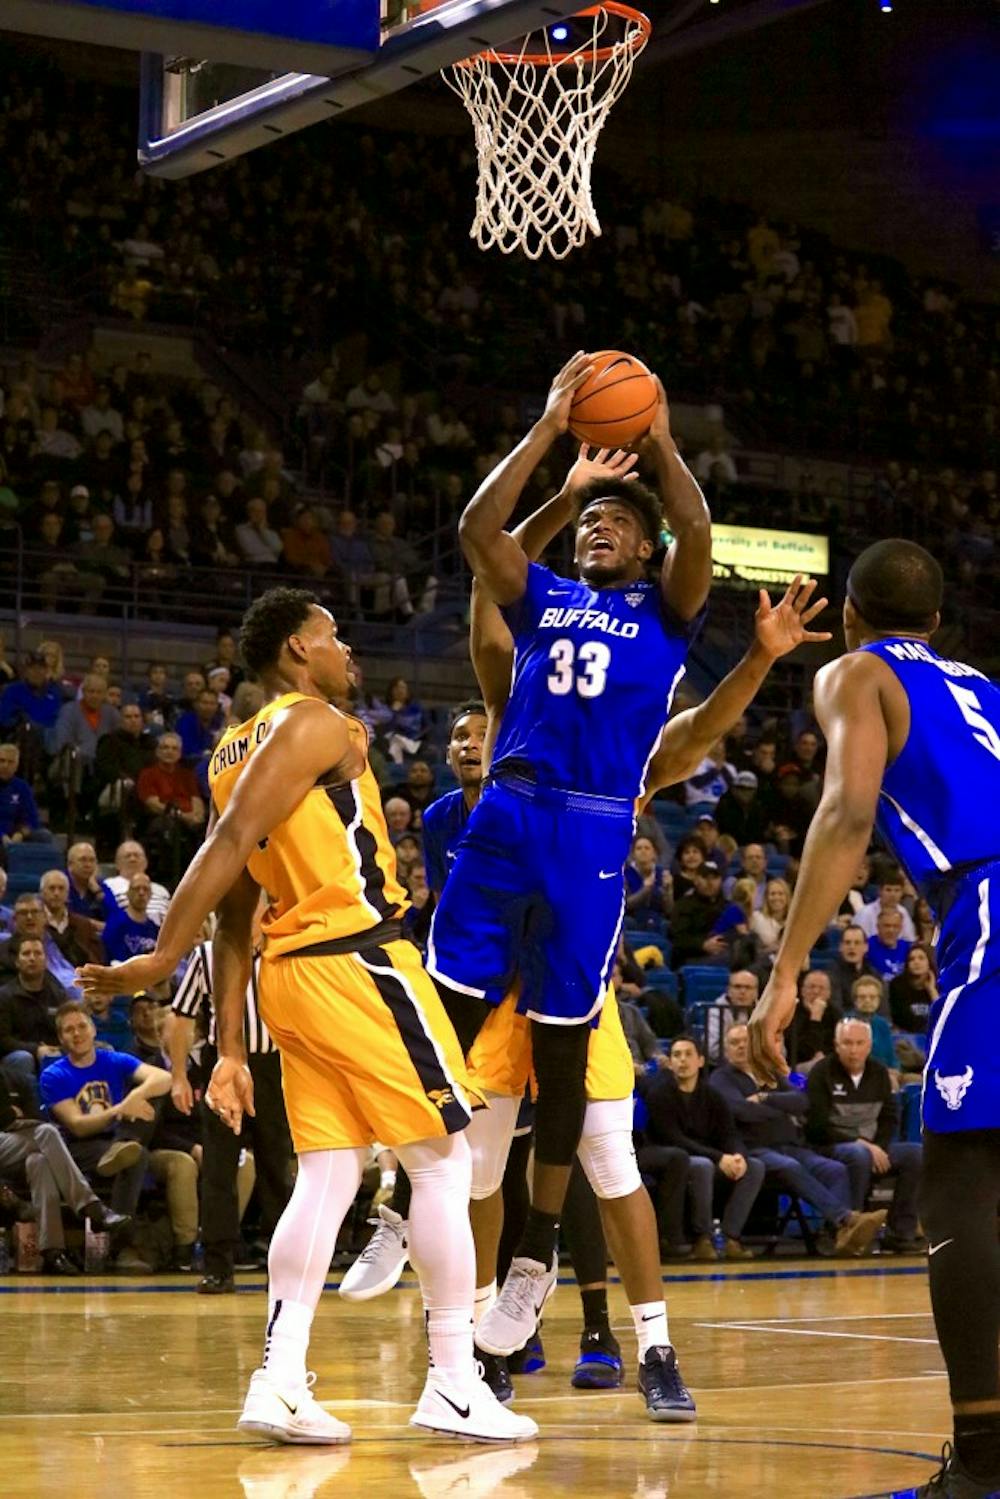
x=271, y=353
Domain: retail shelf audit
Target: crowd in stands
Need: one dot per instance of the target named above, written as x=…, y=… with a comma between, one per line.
x=409, y=359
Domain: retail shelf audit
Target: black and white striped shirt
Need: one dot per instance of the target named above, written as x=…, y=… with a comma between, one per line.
x=195, y=993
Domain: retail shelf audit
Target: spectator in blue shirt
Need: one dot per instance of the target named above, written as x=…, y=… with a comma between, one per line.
x=102, y=1102
x=18, y=813
x=88, y=896
x=649, y=893
x=29, y=921
x=887, y=950
x=200, y=726
x=32, y=698
x=130, y=931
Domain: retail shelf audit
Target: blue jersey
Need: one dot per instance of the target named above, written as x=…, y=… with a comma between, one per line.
x=594, y=675
x=441, y=827
x=940, y=804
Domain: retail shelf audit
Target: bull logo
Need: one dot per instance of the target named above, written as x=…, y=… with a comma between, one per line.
x=634, y=599
x=953, y=1089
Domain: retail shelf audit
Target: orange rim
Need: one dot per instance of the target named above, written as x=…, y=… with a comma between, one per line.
x=634, y=43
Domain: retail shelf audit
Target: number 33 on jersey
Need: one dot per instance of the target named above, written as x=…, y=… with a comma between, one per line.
x=595, y=671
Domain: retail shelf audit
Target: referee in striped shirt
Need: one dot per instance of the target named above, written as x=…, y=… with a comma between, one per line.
x=270, y=1137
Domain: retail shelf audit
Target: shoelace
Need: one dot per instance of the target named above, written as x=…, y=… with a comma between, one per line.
x=937, y=1483
x=670, y=1377
x=377, y=1242
x=519, y=1289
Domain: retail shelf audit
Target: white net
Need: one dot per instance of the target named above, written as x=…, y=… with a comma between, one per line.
x=537, y=114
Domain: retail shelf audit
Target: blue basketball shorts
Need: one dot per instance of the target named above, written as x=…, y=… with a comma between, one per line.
x=962, y=1078
x=536, y=896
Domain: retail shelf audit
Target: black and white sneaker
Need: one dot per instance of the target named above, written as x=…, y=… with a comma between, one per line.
x=667, y=1396
x=472, y=1412
x=493, y=1371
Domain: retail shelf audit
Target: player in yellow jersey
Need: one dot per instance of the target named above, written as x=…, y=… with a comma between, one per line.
x=367, y=1050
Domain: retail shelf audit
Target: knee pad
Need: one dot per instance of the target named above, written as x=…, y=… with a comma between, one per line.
x=489, y=1136
x=606, y=1152
x=444, y=1163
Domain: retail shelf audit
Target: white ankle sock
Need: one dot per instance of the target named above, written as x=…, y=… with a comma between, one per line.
x=651, y=1327
x=449, y=1338
x=485, y=1297
x=286, y=1341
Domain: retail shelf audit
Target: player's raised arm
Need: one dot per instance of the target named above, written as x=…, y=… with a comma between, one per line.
x=851, y=713
x=778, y=629
x=687, y=569
x=498, y=561
x=307, y=740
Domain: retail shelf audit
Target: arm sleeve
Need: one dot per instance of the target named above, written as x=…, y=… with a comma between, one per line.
x=434, y=852
x=524, y=613
x=52, y=1086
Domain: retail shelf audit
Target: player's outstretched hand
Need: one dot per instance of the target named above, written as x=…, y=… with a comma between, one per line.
x=599, y=463
x=564, y=387
x=771, y=1018
x=131, y=977
x=230, y=1092
x=779, y=628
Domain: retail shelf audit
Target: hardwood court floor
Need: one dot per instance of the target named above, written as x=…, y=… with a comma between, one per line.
x=812, y=1382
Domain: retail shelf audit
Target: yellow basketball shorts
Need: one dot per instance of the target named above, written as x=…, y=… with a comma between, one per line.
x=367, y=1051
x=500, y=1059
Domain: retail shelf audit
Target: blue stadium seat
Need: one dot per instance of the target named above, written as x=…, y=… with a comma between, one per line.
x=777, y=865
x=822, y=958
x=24, y=882
x=662, y=978
x=699, y=809
x=32, y=858
x=701, y=983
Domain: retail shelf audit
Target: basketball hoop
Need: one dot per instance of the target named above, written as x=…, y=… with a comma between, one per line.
x=537, y=113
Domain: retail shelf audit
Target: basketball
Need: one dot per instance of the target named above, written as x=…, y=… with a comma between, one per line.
x=614, y=407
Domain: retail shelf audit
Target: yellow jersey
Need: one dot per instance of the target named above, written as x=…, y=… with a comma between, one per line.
x=329, y=869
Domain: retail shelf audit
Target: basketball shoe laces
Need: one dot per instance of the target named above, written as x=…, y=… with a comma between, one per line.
x=380, y=1240
x=667, y=1375
x=938, y=1483
x=518, y=1292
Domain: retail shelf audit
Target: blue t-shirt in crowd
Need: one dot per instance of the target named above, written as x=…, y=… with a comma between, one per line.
x=99, y=907
x=20, y=701
x=196, y=739
x=103, y=1083
x=887, y=961
x=17, y=807
x=125, y=938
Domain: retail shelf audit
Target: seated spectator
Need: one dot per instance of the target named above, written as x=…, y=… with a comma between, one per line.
x=791, y=812
x=810, y=1037
x=418, y=789
x=122, y=754
x=130, y=930
x=912, y=992
x=648, y=886
x=32, y=698
x=306, y=549
x=867, y=1000
x=690, y=856
x=130, y=859
x=925, y=922
x=226, y=654
x=887, y=950
x=772, y=1125
x=102, y=1102
x=200, y=727
x=707, y=830
x=398, y=817
x=82, y=723
x=855, y=897
x=890, y=898
x=403, y=729
x=730, y=1008
x=6, y=912
x=683, y=1111
x=38, y=1152
x=213, y=540
x=713, y=778
x=195, y=681
x=769, y=922
x=853, y=1118
x=101, y=558
x=27, y=1003
x=352, y=555
x=174, y=809
x=18, y=812
x=73, y=935
x=88, y=896
x=399, y=571
x=752, y=865
x=739, y=812
x=29, y=921
x=850, y=963
x=259, y=545
x=157, y=705
x=694, y=918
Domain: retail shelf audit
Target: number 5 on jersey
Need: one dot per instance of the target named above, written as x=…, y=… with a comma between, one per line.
x=984, y=731
x=586, y=668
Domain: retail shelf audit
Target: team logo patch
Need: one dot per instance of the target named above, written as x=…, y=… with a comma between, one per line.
x=440, y=1097
x=634, y=599
x=953, y=1089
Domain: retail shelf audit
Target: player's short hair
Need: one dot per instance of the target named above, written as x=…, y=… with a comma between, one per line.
x=473, y=705
x=636, y=495
x=896, y=585
x=268, y=623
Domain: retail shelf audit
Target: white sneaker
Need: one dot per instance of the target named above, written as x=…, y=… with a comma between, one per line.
x=513, y=1317
x=380, y=1264
x=474, y=1475
x=472, y=1412
x=289, y=1414
x=270, y=1473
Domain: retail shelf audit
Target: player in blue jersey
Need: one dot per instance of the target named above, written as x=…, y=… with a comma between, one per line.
x=596, y=662
x=913, y=742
